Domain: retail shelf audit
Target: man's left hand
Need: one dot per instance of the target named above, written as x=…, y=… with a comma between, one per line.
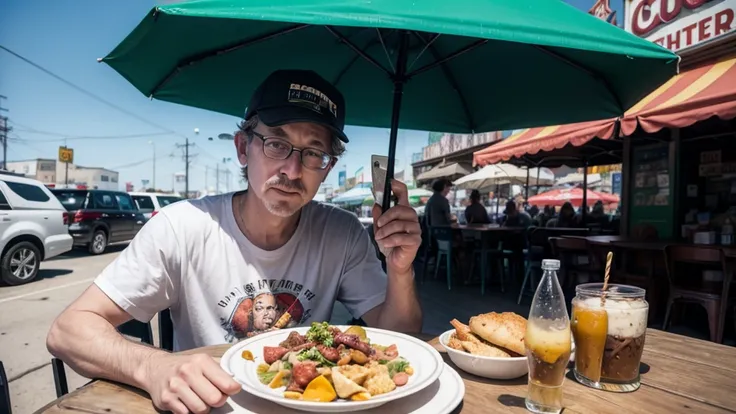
x=397, y=231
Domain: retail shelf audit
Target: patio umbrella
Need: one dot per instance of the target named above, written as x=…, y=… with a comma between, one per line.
x=353, y=196
x=496, y=174
x=455, y=66
x=445, y=170
x=560, y=196
x=417, y=196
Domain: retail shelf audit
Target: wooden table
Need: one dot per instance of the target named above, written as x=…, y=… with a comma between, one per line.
x=680, y=374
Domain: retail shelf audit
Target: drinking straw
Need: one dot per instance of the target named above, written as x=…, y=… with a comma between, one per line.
x=609, y=259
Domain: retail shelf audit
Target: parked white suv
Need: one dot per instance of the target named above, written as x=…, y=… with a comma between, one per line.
x=33, y=227
x=151, y=203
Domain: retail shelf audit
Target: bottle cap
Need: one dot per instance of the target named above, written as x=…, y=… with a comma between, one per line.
x=550, y=264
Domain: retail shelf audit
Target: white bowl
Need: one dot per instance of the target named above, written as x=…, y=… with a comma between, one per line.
x=484, y=366
x=425, y=360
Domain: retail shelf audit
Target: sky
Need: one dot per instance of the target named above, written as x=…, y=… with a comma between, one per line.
x=66, y=37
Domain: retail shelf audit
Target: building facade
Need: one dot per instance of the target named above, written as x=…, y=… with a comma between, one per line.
x=56, y=174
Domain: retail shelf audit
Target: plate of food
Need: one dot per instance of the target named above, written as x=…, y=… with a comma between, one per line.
x=326, y=368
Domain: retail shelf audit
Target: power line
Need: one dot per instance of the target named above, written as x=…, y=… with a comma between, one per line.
x=81, y=137
x=90, y=94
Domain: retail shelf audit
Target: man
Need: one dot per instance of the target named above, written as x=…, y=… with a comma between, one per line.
x=514, y=217
x=212, y=260
x=475, y=213
x=437, y=210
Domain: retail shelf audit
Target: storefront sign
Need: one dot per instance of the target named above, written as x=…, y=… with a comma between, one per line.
x=452, y=143
x=680, y=24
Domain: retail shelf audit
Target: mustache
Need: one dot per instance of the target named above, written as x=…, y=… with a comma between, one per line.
x=282, y=183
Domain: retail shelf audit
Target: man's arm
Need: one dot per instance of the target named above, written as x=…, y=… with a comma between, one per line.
x=85, y=337
x=401, y=310
x=143, y=280
x=398, y=233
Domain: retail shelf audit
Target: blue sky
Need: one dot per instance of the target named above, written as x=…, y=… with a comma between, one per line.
x=66, y=37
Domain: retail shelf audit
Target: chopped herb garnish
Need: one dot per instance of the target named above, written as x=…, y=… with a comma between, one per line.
x=320, y=333
x=287, y=365
x=396, y=366
x=313, y=354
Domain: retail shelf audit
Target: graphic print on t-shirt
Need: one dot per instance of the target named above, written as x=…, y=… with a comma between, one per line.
x=255, y=307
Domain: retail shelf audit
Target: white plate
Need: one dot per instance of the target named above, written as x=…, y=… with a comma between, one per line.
x=441, y=397
x=425, y=360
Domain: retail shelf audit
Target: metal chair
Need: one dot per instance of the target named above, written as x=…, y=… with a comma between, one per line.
x=5, y=406
x=444, y=237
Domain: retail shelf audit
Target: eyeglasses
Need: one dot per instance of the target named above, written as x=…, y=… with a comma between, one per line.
x=281, y=149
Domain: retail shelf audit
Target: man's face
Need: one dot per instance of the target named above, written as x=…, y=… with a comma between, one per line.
x=284, y=186
x=264, y=312
x=446, y=191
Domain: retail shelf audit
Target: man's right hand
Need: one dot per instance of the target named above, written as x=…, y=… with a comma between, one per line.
x=186, y=383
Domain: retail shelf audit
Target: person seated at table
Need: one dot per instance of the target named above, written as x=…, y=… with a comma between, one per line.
x=475, y=213
x=514, y=217
x=437, y=210
x=598, y=216
x=566, y=217
x=229, y=266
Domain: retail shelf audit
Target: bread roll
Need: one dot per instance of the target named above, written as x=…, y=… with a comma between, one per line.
x=505, y=330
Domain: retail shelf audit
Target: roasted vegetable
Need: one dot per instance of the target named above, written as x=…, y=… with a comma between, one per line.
x=358, y=357
x=293, y=395
x=267, y=377
x=320, y=390
x=247, y=355
x=359, y=332
x=279, y=380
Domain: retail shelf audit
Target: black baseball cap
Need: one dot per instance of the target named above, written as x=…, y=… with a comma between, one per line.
x=287, y=96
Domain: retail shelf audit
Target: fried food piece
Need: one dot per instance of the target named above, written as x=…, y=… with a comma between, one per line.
x=505, y=330
x=463, y=332
x=484, y=350
x=381, y=383
x=455, y=343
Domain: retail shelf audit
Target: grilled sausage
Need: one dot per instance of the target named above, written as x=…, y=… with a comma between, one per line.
x=272, y=354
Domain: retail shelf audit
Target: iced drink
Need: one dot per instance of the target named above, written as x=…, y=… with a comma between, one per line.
x=548, y=352
x=609, y=339
x=547, y=341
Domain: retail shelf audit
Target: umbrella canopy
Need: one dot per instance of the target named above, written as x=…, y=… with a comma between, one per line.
x=417, y=196
x=355, y=195
x=447, y=65
x=559, y=197
x=445, y=170
x=497, y=174
x=577, y=178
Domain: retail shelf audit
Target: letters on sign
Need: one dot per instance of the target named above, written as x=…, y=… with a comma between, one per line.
x=680, y=24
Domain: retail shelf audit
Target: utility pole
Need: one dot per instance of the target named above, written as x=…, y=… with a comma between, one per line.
x=4, y=129
x=66, y=170
x=187, y=161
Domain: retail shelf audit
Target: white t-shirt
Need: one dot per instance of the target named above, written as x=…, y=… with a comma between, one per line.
x=192, y=258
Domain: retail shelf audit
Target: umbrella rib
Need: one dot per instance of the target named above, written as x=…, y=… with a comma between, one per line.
x=585, y=70
x=192, y=60
x=352, y=62
x=357, y=50
x=450, y=78
x=427, y=44
x=449, y=57
x=388, y=57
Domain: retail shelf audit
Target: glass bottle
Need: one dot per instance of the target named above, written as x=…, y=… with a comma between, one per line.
x=548, y=343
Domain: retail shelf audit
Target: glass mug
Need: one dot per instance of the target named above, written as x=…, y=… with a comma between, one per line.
x=609, y=336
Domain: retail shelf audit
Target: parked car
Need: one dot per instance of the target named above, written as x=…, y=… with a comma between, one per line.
x=150, y=203
x=99, y=218
x=33, y=228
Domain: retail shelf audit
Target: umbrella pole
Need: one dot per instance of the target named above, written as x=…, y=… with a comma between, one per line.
x=399, y=79
x=526, y=195
x=537, y=186
x=585, y=192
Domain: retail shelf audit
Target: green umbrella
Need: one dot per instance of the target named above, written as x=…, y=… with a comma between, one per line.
x=457, y=66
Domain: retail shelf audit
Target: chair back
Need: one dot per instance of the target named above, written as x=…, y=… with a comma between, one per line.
x=644, y=232
x=443, y=235
x=5, y=406
x=165, y=330
x=137, y=330
x=690, y=254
